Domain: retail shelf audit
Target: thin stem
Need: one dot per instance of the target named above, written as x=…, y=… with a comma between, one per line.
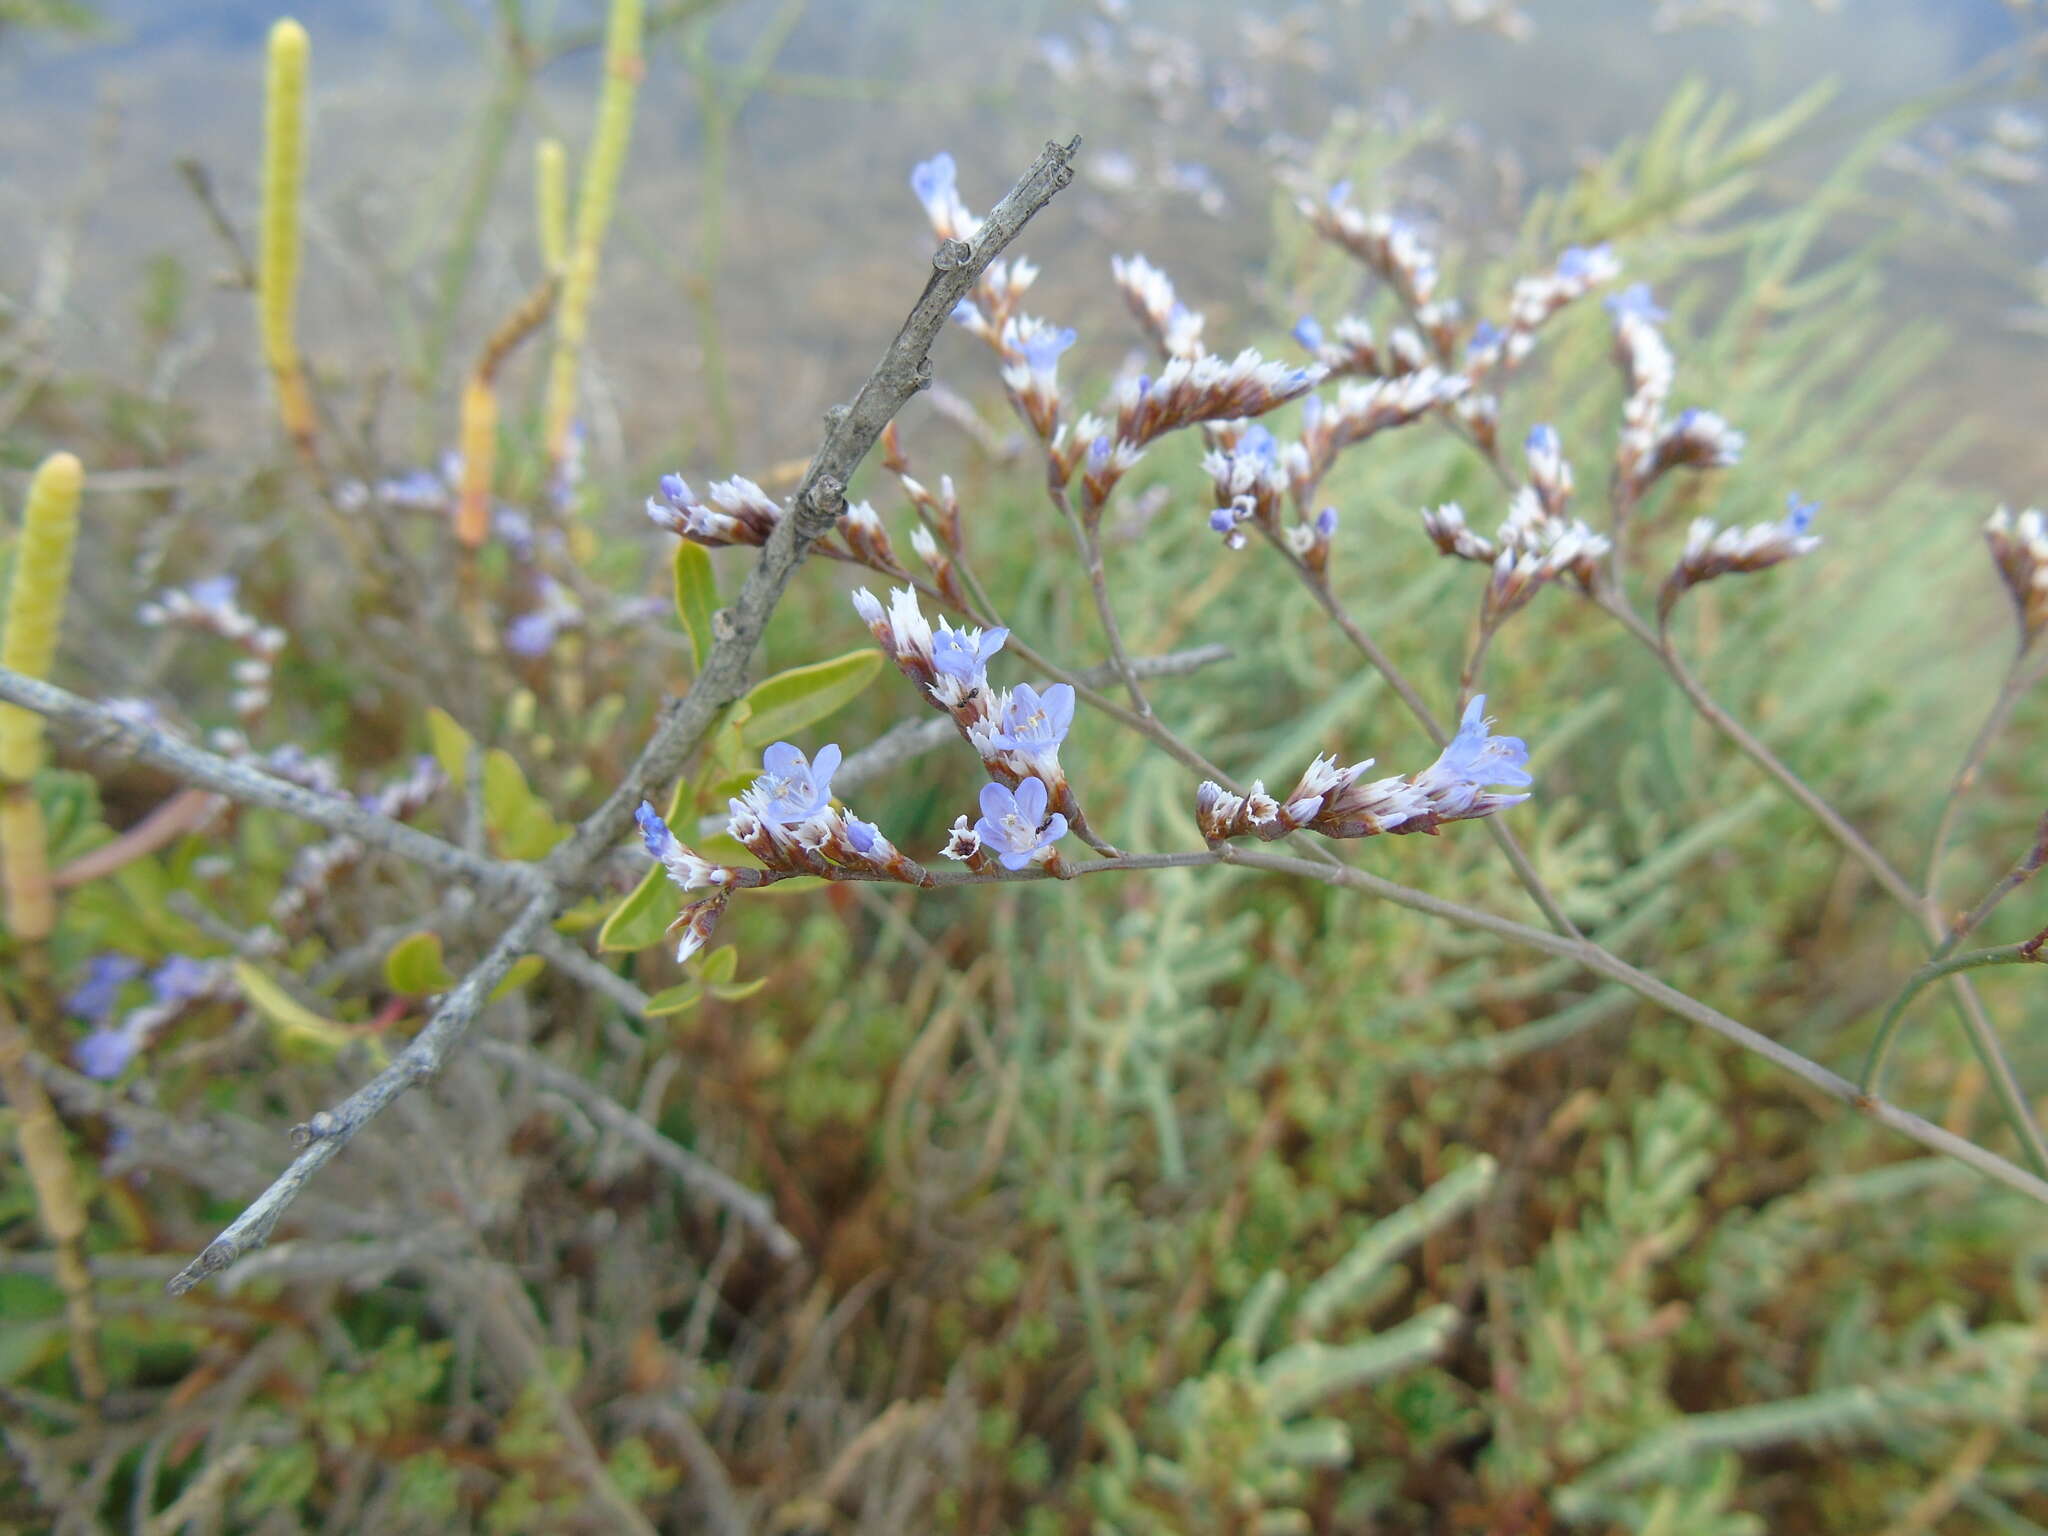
x=2012, y=880
x=1468, y=679
x=2026, y=953
x=1090, y=542
x=2026, y=670
x=1895, y=884
x=1982, y=1033
x=1593, y=958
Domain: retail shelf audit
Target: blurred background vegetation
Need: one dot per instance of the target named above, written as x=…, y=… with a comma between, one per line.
x=1200, y=1201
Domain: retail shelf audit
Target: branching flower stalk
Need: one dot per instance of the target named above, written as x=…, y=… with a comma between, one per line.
x=788, y=819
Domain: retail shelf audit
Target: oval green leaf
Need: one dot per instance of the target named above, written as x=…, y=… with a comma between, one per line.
x=451, y=746
x=524, y=969
x=696, y=597
x=784, y=704
x=674, y=1000
x=415, y=966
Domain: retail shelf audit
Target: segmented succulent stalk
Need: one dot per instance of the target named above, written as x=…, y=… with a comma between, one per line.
x=28, y=644
x=479, y=430
x=277, y=277
x=35, y=602
x=35, y=612
x=595, y=196
x=551, y=202
x=59, y=1204
x=479, y=442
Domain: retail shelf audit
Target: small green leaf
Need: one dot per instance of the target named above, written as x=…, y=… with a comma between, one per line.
x=738, y=991
x=415, y=966
x=787, y=702
x=520, y=819
x=296, y=1023
x=451, y=745
x=584, y=916
x=524, y=969
x=696, y=597
x=643, y=917
x=674, y=1000
x=719, y=965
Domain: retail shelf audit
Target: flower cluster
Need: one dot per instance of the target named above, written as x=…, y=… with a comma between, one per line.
x=1363, y=409
x=175, y=986
x=1250, y=484
x=738, y=511
x=2019, y=544
x=787, y=820
x=1535, y=299
x=210, y=607
x=1649, y=445
x=1392, y=248
x=1190, y=390
x=1712, y=551
x=1017, y=732
x=1351, y=349
x=1173, y=327
x=1031, y=350
x=1537, y=542
x=316, y=867
x=1464, y=782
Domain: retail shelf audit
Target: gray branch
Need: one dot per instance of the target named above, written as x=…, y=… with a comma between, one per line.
x=102, y=727
x=332, y=1129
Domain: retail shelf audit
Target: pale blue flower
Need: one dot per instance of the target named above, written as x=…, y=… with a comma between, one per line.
x=1635, y=301
x=654, y=832
x=1472, y=763
x=1035, y=724
x=1309, y=332
x=935, y=179
x=794, y=788
x=105, y=1053
x=685, y=868
x=864, y=835
x=1799, y=514
x=1042, y=349
x=181, y=979
x=1013, y=824
x=964, y=654
x=531, y=634
x=95, y=997
x=1580, y=263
